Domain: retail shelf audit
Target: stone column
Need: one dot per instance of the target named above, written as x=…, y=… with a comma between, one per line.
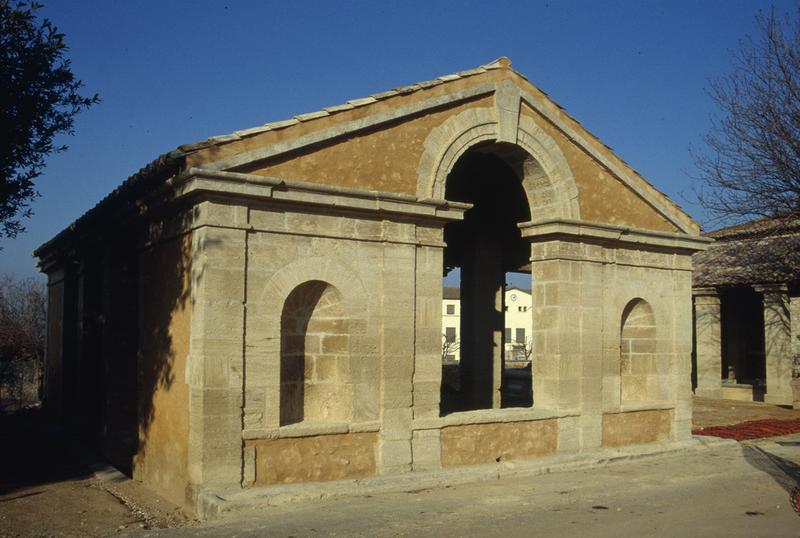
x=567, y=339
x=794, y=317
x=482, y=321
x=777, y=344
x=425, y=444
x=708, y=342
x=397, y=350
x=214, y=370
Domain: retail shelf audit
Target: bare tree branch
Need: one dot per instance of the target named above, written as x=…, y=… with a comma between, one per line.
x=752, y=166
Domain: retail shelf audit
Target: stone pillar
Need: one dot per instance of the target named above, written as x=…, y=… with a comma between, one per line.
x=557, y=333
x=215, y=366
x=89, y=346
x=482, y=324
x=708, y=342
x=568, y=338
x=397, y=356
x=777, y=344
x=120, y=347
x=794, y=318
x=428, y=332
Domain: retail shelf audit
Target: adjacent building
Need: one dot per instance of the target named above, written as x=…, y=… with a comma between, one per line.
x=747, y=312
x=517, y=339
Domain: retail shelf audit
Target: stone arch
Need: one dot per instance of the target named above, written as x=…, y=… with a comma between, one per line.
x=314, y=360
x=328, y=270
x=263, y=345
x=546, y=176
x=641, y=378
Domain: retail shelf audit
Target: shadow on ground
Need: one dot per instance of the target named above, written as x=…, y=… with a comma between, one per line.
x=784, y=472
x=34, y=452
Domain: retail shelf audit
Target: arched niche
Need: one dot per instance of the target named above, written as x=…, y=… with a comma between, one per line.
x=641, y=379
x=315, y=383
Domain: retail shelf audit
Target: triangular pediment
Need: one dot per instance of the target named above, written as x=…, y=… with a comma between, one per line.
x=381, y=142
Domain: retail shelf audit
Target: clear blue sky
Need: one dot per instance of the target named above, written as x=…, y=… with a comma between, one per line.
x=168, y=73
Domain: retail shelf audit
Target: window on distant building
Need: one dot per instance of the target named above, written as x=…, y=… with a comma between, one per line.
x=450, y=334
x=451, y=309
x=520, y=335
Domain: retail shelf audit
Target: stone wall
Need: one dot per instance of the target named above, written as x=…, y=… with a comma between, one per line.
x=636, y=427
x=494, y=442
x=164, y=335
x=314, y=458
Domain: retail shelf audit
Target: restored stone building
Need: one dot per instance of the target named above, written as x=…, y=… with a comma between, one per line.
x=747, y=311
x=264, y=307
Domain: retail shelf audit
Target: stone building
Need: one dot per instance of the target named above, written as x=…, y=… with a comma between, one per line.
x=747, y=311
x=264, y=307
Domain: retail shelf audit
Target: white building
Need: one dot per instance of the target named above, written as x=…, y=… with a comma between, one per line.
x=517, y=314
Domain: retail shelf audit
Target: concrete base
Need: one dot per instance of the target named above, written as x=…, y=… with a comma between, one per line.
x=217, y=504
x=714, y=393
x=742, y=393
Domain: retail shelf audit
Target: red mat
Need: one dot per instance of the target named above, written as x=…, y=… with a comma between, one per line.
x=752, y=429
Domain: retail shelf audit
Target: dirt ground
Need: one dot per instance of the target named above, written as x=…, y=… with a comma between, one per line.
x=47, y=488
x=708, y=413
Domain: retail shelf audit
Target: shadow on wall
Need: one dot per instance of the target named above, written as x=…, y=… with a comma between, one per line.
x=165, y=279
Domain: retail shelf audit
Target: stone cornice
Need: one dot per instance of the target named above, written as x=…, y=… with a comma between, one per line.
x=638, y=185
x=611, y=236
x=296, y=194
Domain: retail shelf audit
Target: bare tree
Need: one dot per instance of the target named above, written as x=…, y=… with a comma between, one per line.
x=450, y=347
x=528, y=349
x=22, y=334
x=752, y=167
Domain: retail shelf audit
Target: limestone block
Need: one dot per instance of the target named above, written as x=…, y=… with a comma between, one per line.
x=249, y=472
x=315, y=458
x=214, y=214
x=396, y=423
x=268, y=219
x=366, y=402
x=426, y=450
x=310, y=223
x=428, y=367
x=569, y=435
x=397, y=394
x=651, y=426
x=495, y=442
x=429, y=234
x=394, y=456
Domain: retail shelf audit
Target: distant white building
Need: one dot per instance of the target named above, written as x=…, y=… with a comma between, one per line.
x=518, y=324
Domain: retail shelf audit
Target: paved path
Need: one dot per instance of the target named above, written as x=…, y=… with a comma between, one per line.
x=740, y=490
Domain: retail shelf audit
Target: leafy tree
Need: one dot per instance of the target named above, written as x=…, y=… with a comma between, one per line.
x=752, y=168
x=38, y=100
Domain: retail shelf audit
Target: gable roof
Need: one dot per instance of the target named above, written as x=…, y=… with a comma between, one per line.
x=174, y=162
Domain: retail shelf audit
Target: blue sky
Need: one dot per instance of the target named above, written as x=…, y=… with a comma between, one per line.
x=169, y=73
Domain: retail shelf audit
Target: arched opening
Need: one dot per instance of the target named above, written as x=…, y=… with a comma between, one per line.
x=641, y=377
x=314, y=367
x=483, y=249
